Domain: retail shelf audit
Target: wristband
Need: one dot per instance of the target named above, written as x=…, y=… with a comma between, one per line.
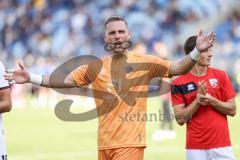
x=195, y=55
x=36, y=79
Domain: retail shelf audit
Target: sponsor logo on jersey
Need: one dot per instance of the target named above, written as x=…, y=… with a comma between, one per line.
x=190, y=87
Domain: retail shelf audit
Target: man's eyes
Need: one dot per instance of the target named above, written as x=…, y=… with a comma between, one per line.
x=121, y=31
x=112, y=33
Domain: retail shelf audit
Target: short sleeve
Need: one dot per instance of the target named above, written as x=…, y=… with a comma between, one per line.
x=159, y=67
x=176, y=94
x=81, y=76
x=228, y=91
x=3, y=82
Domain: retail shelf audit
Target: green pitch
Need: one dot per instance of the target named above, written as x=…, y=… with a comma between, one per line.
x=37, y=134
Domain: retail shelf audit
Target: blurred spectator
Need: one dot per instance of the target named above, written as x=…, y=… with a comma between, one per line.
x=65, y=28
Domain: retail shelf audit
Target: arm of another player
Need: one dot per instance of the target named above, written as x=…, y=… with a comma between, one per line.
x=21, y=76
x=183, y=66
x=227, y=108
x=5, y=100
x=183, y=113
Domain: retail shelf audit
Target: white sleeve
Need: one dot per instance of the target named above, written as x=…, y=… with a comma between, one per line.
x=3, y=82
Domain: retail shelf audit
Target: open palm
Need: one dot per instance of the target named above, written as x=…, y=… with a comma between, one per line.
x=204, y=42
x=18, y=76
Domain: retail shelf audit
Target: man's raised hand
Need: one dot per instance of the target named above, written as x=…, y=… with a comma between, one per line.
x=19, y=75
x=205, y=41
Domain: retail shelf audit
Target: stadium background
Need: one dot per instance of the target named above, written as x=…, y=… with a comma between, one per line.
x=43, y=34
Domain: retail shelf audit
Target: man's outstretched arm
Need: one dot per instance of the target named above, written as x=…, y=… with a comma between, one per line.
x=21, y=76
x=181, y=67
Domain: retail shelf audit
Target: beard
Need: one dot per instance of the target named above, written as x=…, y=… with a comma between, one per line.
x=117, y=47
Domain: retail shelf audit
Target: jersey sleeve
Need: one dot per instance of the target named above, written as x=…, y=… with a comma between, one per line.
x=176, y=94
x=3, y=82
x=158, y=67
x=81, y=76
x=228, y=91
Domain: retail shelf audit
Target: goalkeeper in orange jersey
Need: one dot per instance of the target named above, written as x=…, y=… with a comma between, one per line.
x=120, y=88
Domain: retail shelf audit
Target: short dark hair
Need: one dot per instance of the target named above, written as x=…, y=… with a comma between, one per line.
x=190, y=44
x=115, y=18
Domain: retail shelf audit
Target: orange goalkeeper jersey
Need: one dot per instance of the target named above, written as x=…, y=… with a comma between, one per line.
x=120, y=89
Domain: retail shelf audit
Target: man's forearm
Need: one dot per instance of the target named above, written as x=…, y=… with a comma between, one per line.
x=188, y=112
x=184, y=66
x=227, y=108
x=5, y=101
x=40, y=80
x=5, y=106
x=181, y=67
x=44, y=80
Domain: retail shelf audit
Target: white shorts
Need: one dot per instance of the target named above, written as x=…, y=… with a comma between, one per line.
x=223, y=153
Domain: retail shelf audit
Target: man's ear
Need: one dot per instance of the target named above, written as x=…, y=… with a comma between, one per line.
x=129, y=35
x=104, y=37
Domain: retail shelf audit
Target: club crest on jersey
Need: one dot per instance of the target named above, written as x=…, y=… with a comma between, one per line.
x=129, y=69
x=213, y=82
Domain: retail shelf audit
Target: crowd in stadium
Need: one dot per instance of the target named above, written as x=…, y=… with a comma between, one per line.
x=33, y=29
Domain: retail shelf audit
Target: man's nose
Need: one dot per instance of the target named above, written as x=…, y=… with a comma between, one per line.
x=117, y=35
x=210, y=54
